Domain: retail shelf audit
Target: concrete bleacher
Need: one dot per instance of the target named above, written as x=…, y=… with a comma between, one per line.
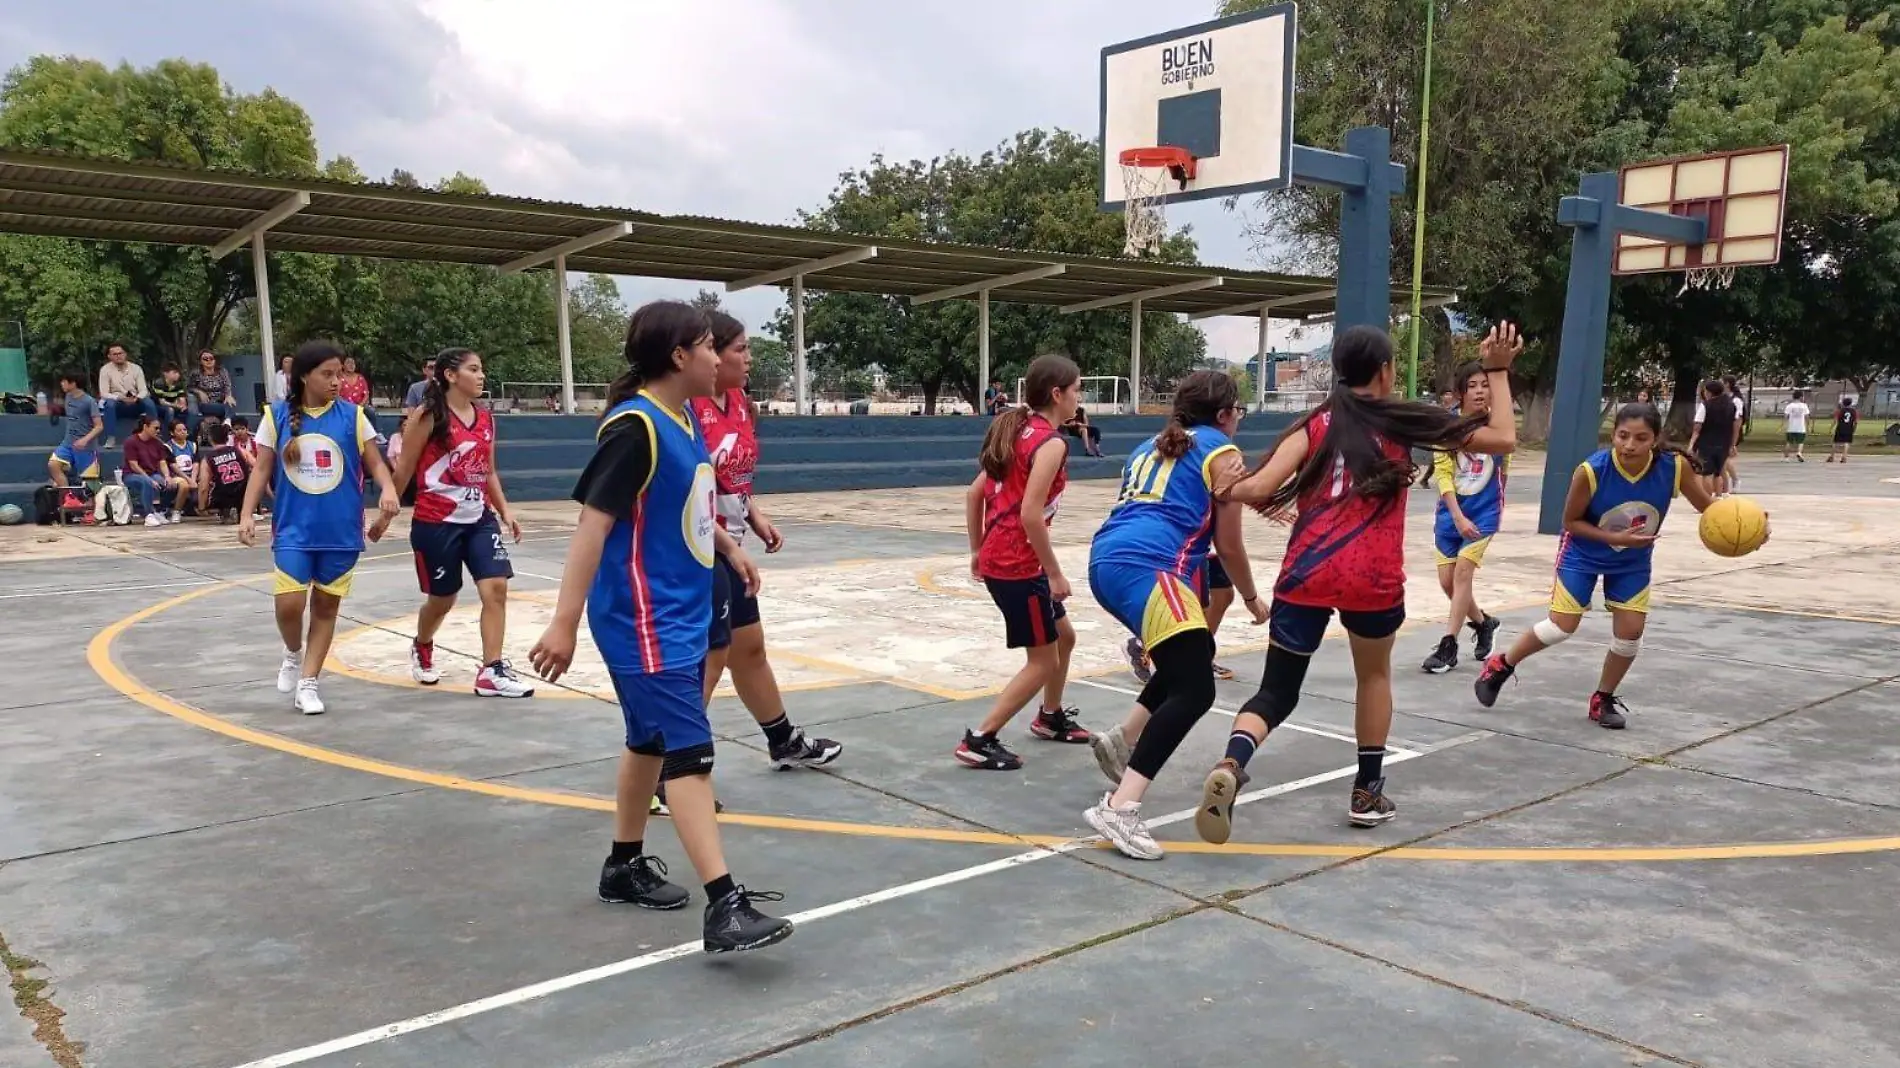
x=541, y=454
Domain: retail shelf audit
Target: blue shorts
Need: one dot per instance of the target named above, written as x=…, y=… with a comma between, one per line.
x=1449, y=546
x=1299, y=628
x=329, y=570
x=1153, y=605
x=1626, y=591
x=444, y=550
x=83, y=463
x=665, y=711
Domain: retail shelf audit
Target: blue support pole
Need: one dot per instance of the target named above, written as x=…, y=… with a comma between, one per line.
x=1368, y=180
x=1576, y=414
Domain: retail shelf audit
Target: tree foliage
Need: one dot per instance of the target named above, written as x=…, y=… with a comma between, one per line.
x=1038, y=191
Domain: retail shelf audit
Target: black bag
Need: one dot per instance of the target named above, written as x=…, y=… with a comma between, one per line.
x=46, y=504
x=19, y=404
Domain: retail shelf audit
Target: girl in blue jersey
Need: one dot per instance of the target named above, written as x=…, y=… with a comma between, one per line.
x=1618, y=500
x=1145, y=566
x=1470, y=505
x=641, y=565
x=327, y=445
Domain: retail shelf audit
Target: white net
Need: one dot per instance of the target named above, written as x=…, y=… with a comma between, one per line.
x=1707, y=278
x=1144, y=211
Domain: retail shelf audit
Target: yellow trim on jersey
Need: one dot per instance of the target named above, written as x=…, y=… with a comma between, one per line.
x=1444, y=473
x=678, y=417
x=1676, y=490
x=1159, y=620
x=1473, y=551
x=1589, y=473
x=1561, y=602
x=1617, y=461
x=653, y=440
x=282, y=583
x=1207, y=463
x=1638, y=603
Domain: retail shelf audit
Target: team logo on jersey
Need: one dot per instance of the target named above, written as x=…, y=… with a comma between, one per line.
x=319, y=466
x=696, y=522
x=1639, y=517
x=1474, y=472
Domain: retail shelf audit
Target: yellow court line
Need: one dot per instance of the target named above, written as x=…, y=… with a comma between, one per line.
x=99, y=658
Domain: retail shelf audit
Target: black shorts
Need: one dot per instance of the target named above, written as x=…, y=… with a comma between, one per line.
x=231, y=496
x=1029, y=613
x=1711, y=458
x=1299, y=628
x=719, y=633
x=1215, y=578
x=443, y=550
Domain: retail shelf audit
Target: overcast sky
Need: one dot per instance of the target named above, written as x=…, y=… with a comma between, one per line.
x=741, y=109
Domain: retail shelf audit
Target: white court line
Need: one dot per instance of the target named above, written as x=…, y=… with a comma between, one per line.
x=535, y=991
x=1302, y=728
x=55, y=591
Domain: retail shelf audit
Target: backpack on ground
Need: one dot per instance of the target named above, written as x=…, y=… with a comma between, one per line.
x=112, y=505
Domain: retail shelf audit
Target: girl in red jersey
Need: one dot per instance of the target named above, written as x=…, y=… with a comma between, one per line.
x=1007, y=511
x=737, y=638
x=1346, y=468
x=460, y=512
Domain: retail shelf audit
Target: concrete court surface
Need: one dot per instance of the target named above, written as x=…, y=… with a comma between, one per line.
x=203, y=879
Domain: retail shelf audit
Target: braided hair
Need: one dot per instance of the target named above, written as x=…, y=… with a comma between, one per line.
x=435, y=399
x=309, y=356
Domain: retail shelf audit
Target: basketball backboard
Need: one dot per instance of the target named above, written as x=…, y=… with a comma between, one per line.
x=1221, y=90
x=1743, y=195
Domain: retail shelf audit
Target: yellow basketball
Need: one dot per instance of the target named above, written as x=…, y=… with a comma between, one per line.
x=1734, y=526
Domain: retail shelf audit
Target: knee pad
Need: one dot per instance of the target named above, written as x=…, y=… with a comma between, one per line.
x=692, y=760
x=1627, y=647
x=1550, y=633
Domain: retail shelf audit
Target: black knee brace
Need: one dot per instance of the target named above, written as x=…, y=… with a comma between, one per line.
x=693, y=760
x=1280, y=683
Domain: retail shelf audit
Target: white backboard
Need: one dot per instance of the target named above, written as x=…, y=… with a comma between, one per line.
x=1221, y=89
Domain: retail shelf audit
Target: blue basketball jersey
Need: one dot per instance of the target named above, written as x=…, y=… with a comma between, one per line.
x=1622, y=501
x=651, y=602
x=1163, y=519
x=319, y=495
x=1478, y=481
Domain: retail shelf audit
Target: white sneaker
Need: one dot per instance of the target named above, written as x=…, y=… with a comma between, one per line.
x=289, y=671
x=307, y=700
x=1111, y=752
x=422, y=663
x=1123, y=827
x=499, y=680
x=177, y=516
x=153, y=519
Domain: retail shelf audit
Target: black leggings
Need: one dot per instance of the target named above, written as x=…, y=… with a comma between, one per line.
x=1179, y=694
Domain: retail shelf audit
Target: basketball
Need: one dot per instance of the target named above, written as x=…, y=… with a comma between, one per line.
x=1734, y=526
x=10, y=514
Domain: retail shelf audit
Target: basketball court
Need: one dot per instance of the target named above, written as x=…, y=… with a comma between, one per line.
x=408, y=880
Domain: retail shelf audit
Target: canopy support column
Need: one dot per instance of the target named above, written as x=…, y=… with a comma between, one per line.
x=266, y=338
x=1264, y=369
x=564, y=339
x=799, y=390
x=1134, y=357
x=983, y=344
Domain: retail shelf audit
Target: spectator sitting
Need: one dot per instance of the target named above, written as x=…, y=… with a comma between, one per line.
x=184, y=453
x=170, y=396
x=994, y=398
x=222, y=475
x=242, y=440
x=122, y=391
x=149, y=475
x=78, y=452
x=209, y=390
x=1090, y=434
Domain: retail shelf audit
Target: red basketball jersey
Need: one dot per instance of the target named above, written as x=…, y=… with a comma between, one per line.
x=452, y=480
x=1344, y=551
x=732, y=440
x=1005, y=552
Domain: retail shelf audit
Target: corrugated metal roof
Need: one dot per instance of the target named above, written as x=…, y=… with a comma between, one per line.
x=64, y=196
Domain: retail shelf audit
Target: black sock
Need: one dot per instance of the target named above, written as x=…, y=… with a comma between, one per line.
x=779, y=731
x=720, y=887
x=625, y=851
x=1240, y=747
x=1371, y=766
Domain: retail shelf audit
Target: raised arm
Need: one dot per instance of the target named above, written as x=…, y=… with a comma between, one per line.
x=1498, y=351
x=1259, y=486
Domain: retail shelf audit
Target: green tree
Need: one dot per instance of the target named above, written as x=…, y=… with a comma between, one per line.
x=166, y=301
x=1037, y=191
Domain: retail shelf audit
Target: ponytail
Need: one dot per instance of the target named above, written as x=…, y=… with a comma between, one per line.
x=1355, y=426
x=655, y=331
x=1174, y=441
x=620, y=390
x=1199, y=400
x=435, y=397
x=296, y=424
x=999, y=444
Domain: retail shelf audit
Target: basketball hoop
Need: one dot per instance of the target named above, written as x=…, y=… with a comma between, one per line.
x=1707, y=279
x=1146, y=173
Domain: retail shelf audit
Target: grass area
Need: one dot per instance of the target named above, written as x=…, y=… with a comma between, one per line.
x=29, y=996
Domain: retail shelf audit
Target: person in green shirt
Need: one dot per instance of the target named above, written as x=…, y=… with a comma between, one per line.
x=169, y=392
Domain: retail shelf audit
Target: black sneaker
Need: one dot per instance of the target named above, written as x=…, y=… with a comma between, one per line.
x=640, y=881
x=1608, y=710
x=1443, y=658
x=1492, y=679
x=1059, y=725
x=657, y=807
x=989, y=754
x=802, y=752
x=733, y=925
x=1486, y=631
x=1138, y=661
x=1370, y=806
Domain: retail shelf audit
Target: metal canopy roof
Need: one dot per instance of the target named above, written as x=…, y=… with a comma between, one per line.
x=65, y=196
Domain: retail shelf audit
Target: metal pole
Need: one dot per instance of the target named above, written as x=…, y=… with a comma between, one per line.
x=1134, y=358
x=266, y=339
x=563, y=340
x=1576, y=416
x=1365, y=234
x=1418, y=213
x=1265, y=367
x=983, y=342
x=798, y=345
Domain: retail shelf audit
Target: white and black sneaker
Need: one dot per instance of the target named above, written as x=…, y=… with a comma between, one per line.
x=499, y=680
x=1443, y=658
x=640, y=881
x=734, y=926
x=802, y=752
x=1486, y=632
x=1124, y=828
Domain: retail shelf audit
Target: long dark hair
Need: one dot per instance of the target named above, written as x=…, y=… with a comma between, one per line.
x=655, y=331
x=725, y=329
x=309, y=356
x=1046, y=374
x=1651, y=417
x=435, y=399
x=1355, y=424
x=1199, y=400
